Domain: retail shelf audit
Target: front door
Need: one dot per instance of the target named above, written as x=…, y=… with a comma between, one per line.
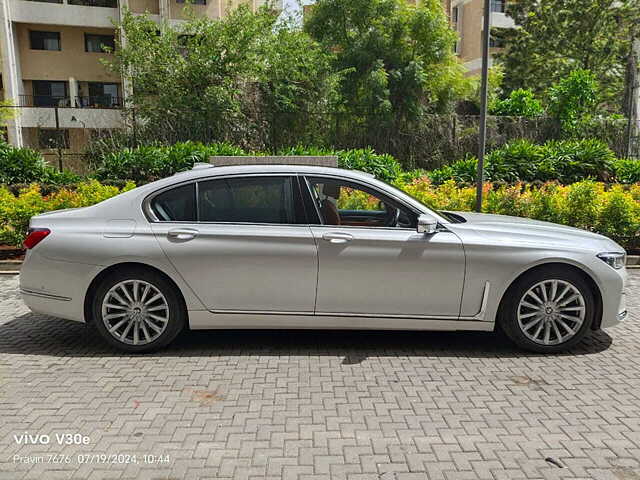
x=243, y=245
x=373, y=262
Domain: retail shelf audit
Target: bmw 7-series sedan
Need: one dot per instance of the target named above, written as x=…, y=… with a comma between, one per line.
x=298, y=247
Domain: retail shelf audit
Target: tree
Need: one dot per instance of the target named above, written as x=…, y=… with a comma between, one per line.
x=396, y=59
x=555, y=37
x=227, y=79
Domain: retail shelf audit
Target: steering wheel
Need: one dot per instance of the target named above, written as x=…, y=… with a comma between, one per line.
x=392, y=217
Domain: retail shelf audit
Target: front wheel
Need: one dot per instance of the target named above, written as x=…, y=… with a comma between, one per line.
x=138, y=311
x=550, y=310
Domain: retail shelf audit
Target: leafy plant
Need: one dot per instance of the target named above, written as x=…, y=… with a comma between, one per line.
x=573, y=99
x=520, y=103
x=24, y=165
x=627, y=170
x=384, y=167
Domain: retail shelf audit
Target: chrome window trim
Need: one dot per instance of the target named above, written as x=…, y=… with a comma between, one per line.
x=152, y=218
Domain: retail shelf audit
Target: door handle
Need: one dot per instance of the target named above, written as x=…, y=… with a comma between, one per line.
x=182, y=233
x=337, y=237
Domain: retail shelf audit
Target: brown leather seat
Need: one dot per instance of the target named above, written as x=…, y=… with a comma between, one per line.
x=329, y=213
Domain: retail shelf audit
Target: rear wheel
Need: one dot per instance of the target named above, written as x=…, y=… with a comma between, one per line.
x=549, y=310
x=138, y=311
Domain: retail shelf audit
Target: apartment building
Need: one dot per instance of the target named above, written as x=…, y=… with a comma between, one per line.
x=467, y=18
x=51, y=67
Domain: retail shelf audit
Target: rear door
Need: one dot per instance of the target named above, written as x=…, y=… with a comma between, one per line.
x=245, y=246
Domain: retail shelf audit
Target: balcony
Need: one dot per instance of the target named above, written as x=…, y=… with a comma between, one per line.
x=39, y=111
x=74, y=13
x=50, y=101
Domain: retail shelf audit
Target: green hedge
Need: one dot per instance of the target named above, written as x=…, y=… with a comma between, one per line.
x=24, y=165
x=566, y=161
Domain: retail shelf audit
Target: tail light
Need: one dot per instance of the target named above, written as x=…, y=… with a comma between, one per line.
x=35, y=236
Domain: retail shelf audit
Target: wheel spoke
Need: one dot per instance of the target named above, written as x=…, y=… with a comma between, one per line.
x=572, y=298
x=156, y=317
x=564, y=292
x=123, y=289
x=147, y=287
x=547, y=333
x=532, y=323
x=556, y=330
x=153, y=299
x=134, y=288
x=543, y=287
x=115, y=295
x=136, y=329
x=554, y=290
x=152, y=325
x=569, y=330
x=530, y=314
x=159, y=307
x=111, y=316
x=145, y=331
x=114, y=306
x=536, y=297
x=123, y=335
x=540, y=326
x=118, y=325
x=530, y=305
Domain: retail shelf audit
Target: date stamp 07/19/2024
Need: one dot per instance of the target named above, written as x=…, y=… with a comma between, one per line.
x=77, y=439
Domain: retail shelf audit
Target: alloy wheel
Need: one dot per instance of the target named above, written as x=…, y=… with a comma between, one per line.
x=551, y=312
x=135, y=312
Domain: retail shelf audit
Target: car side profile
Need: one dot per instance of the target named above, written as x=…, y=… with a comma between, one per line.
x=284, y=246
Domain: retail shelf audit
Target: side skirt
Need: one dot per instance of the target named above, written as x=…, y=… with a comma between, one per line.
x=203, y=320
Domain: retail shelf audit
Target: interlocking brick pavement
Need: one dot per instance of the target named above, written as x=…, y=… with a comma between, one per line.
x=319, y=405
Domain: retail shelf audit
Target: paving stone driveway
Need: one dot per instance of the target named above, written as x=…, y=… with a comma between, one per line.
x=316, y=405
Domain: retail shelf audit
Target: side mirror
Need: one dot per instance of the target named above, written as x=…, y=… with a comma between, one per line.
x=427, y=224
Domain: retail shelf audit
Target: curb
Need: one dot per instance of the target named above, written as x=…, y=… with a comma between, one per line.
x=12, y=267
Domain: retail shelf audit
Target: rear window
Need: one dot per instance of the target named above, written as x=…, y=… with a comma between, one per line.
x=176, y=205
x=247, y=200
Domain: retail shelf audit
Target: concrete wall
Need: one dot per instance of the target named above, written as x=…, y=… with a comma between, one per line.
x=71, y=61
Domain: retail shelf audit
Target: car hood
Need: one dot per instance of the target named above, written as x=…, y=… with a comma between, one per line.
x=525, y=230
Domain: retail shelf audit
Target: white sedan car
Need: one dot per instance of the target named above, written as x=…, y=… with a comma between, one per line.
x=312, y=247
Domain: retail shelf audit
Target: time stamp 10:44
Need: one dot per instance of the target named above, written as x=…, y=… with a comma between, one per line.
x=93, y=458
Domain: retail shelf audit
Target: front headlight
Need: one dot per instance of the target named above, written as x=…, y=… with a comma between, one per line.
x=615, y=260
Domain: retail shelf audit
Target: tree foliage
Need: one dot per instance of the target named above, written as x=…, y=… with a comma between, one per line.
x=555, y=37
x=396, y=59
x=206, y=79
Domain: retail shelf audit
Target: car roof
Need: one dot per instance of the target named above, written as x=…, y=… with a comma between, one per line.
x=204, y=171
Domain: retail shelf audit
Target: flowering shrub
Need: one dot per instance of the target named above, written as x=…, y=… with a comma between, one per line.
x=16, y=210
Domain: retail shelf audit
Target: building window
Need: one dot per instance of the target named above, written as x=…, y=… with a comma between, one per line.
x=44, y=40
x=95, y=3
x=98, y=43
x=194, y=2
x=499, y=6
x=102, y=95
x=49, y=138
x=50, y=94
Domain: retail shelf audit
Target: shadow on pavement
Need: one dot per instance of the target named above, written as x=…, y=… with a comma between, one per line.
x=32, y=334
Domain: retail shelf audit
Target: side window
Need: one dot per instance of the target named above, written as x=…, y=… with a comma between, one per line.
x=176, y=205
x=344, y=203
x=248, y=200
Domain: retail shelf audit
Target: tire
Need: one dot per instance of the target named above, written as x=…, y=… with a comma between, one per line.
x=142, y=308
x=558, y=313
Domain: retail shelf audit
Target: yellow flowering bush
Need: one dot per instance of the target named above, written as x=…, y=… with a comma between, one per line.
x=17, y=209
